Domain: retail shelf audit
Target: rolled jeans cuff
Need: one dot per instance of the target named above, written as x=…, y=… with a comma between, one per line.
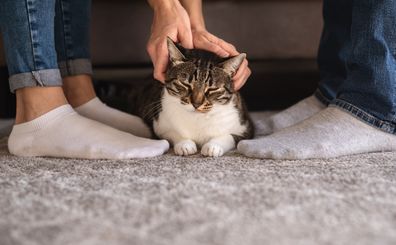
x=41, y=78
x=321, y=97
x=386, y=126
x=75, y=67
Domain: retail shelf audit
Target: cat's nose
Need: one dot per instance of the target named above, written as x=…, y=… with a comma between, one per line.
x=196, y=105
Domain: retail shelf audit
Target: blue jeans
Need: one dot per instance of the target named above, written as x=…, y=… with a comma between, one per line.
x=45, y=40
x=357, y=60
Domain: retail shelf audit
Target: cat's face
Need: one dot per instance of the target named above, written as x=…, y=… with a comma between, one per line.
x=200, y=79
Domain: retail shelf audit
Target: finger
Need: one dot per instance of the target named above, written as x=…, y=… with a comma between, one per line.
x=223, y=44
x=239, y=84
x=185, y=38
x=150, y=48
x=161, y=62
x=212, y=47
x=229, y=48
x=217, y=49
x=159, y=75
x=241, y=70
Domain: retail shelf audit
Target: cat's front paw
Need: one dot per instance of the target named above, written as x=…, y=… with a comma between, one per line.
x=185, y=148
x=212, y=150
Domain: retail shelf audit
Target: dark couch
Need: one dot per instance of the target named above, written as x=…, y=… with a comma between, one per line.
x=280, y=37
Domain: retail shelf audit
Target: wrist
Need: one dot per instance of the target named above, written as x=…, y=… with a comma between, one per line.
x=197, y=24
x=161, y=5
x=194, y=10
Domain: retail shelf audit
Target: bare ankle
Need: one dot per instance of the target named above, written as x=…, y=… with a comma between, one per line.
x=36, y=101
x=78, y=89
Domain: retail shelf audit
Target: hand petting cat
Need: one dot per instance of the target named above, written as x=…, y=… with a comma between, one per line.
x=170, y=20
x=183, y=22
x=202, y=39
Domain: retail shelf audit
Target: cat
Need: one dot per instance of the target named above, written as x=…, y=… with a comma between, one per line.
x=197, y=105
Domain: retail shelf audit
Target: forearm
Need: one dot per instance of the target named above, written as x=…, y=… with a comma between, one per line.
x=194, y=10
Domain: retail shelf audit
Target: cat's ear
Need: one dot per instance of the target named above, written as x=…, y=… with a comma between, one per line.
x=175, y=55
x=231, y=65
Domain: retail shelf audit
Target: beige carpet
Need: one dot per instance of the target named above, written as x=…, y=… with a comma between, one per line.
x=195, y=200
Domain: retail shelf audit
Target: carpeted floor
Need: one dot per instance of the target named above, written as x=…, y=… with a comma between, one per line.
x=195, y=200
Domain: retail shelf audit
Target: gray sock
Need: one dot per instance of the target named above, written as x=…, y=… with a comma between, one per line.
x=329, y=133
x=292, y=115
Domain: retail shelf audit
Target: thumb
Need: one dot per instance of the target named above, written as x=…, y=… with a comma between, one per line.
x=185, y=38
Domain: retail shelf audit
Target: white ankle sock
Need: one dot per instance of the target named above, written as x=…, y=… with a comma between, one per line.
x=98, y=111
x=64, y=133
x=329, y=133
x=290, y=116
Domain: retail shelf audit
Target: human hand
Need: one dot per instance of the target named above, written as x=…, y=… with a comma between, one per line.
x=202, y=39
x=170, y=20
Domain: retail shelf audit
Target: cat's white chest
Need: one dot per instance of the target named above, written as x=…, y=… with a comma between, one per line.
x=178, y=122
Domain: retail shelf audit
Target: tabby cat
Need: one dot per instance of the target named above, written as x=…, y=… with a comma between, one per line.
x=197, y=105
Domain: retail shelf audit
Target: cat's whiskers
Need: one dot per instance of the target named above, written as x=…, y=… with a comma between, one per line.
x=153, y=109
x=152, y=112
x=153, y=104
x=150, y=116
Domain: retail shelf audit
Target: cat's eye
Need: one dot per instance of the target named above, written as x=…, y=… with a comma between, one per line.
x=172, y=91
x=211, y=90
x=179, y=87
x=216, y=95
x=214, y=92
x=222, y=101
x=176, y=85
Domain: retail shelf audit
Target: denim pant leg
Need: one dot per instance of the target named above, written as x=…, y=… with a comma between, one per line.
x=334, y=47
x=72, y=32
x=27, y=27
x=369, y=92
